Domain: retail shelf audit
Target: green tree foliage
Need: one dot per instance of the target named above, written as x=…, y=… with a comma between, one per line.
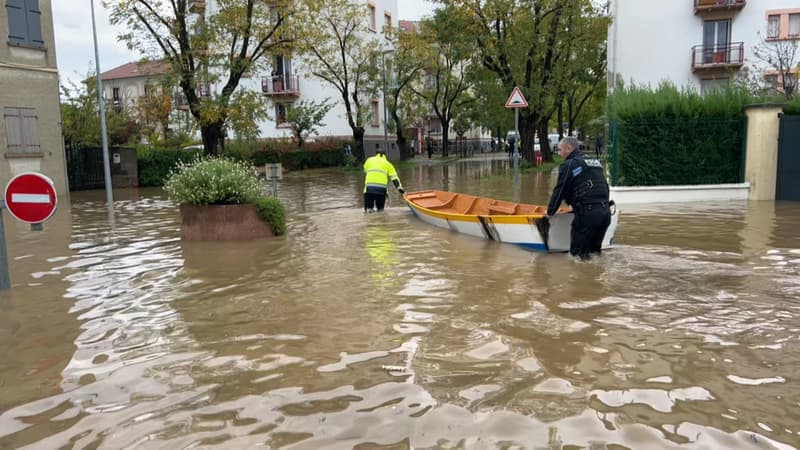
x=404, y=70
x=339, y=51
x=305, y=117
x=445, y=64
x=80, y=114
x=205, y=47
x=153, y=111
x=529, y=44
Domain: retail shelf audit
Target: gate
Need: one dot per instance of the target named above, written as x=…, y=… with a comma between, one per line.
x=788, y=180
x=85, y=168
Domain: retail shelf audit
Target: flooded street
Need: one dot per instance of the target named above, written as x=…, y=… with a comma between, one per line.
x=379, y=331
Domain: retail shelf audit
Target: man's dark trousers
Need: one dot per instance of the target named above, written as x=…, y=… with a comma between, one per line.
x=588, y=229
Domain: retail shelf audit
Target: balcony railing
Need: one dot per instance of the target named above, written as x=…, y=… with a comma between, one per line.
x=281, y=85
x=702, y=6
x=717, y=56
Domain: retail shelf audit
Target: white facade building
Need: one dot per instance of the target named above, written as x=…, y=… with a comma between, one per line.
x=694, y=43
x=285, y=83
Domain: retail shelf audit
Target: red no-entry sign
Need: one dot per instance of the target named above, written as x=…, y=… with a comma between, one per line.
x=31, y=197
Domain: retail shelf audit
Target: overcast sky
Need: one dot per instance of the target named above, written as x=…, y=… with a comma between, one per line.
x=75, y=47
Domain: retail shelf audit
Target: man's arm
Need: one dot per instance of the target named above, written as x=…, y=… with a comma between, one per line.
x=393, y=176
x=564, y=179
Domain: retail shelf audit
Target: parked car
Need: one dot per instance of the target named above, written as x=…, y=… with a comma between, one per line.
x=553, y=139
x=512, y=133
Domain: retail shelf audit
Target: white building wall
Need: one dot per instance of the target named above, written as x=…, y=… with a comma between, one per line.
x=651, y=40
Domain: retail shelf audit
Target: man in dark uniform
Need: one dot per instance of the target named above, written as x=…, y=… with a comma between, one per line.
x=582, y=184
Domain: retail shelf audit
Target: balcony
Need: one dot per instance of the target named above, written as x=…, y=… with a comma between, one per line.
x=197, y=6
x=717, y=57
x=705, y=6
x=281, y=86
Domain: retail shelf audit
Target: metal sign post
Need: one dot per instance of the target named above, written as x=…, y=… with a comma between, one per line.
x=274, y=172
x=5, y=279
x=516, y=100
x=31, y=198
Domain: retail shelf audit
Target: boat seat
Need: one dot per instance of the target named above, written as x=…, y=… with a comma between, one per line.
x=434, y=202
x=421, y=195
x=502, y=210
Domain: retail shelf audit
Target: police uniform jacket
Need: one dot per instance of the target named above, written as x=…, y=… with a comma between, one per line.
x=581, y=182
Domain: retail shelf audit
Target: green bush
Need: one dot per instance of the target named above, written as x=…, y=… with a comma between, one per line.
x=271, y=211
x=156, y=164
x=213, y=181
x=677, y=137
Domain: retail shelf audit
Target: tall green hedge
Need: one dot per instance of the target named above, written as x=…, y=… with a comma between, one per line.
x=323, y=152
x=677, y=137
x=155, y=164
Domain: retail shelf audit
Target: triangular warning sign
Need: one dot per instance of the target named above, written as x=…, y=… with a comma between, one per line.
x=516, y=99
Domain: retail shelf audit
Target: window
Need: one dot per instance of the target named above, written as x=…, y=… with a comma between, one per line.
x=773, y=26
x=711, y=85
x=376, y=113
x=24, y=23
x=115, y=94
x=22, y=131
x=387, y=23
x=280, y=115
x=794, y=25
x=372, y=20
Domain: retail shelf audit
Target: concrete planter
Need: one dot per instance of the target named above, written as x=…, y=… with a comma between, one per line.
x=222, y=223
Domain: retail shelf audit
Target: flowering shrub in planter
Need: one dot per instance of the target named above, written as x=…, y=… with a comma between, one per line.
x=221, y=199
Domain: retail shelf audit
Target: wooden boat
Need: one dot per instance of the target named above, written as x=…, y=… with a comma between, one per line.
x=498, y=220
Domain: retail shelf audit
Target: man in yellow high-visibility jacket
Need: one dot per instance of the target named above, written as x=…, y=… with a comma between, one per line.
x=378, y=172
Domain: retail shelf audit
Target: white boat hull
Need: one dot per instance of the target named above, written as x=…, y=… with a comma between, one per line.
x=517, y=229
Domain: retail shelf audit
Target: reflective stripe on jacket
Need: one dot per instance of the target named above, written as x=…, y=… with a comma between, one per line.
x=379, y=172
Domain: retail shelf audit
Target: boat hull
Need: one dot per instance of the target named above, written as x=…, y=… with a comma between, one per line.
x=507, y=222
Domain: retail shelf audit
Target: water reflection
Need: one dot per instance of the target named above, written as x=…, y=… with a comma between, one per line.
x=378, y=331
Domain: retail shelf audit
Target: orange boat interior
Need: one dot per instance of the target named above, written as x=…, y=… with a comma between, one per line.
x=454, y=203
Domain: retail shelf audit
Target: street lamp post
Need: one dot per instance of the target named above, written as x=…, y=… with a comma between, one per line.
x=385, y=115
x=103, y=133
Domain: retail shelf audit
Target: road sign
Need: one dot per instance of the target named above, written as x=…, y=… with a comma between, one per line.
x=516, y=99
x=31, y=197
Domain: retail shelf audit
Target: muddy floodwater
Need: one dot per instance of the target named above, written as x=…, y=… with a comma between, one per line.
x=379, y=331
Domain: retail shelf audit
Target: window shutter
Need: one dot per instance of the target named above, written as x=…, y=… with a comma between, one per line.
x=13, y=119
x=17, y=23
x=34, y=16
x=30, y=131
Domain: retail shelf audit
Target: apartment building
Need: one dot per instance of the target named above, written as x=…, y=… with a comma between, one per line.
x=285, y=83
x=30, y=133
x=125, y=85
x=696, y=43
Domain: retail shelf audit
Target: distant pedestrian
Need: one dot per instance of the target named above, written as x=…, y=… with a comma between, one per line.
x=511, y=141
x=598, y=145
x=430, y=149
x=493, y=145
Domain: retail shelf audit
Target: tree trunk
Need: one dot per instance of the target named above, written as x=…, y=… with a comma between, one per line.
x=358, y=139
x=547, y=152
x=445, y=133
x=402, y=142
x=212, y=134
